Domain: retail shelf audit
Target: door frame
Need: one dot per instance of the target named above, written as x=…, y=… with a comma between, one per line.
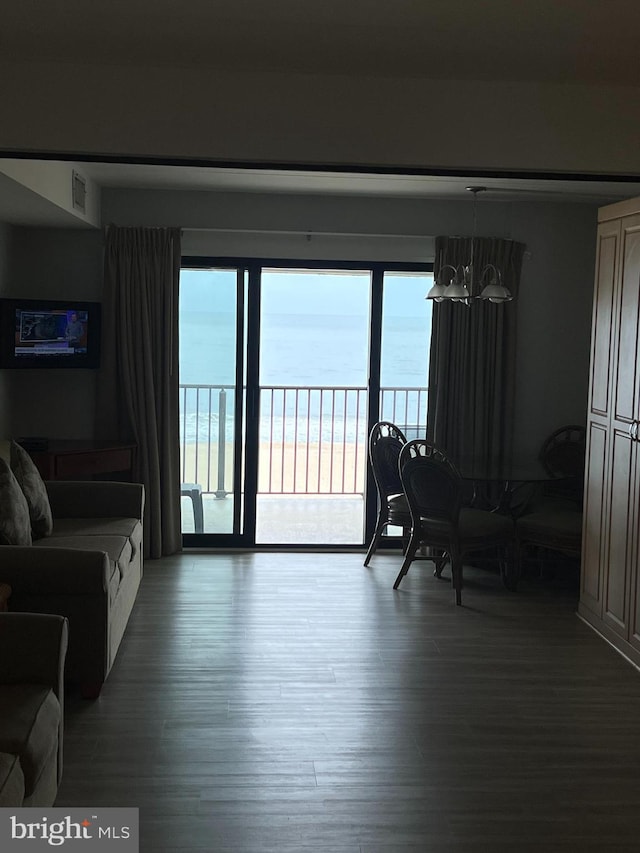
x=248, y=371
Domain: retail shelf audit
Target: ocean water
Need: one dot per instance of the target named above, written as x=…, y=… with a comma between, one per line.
x=310, y=338
x=303, y=350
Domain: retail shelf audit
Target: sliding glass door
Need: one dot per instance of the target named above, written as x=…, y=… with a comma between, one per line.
x=283, y=370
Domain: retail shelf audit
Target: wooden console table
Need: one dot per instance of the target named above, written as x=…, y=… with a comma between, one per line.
x=85, y=460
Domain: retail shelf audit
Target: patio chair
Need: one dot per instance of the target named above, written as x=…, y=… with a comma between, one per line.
x=194, y=492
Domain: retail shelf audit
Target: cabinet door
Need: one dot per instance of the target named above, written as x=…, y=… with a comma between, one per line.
x=620, y=523
x=626, y=402
x=634, y=573
x=610, y=580
x=603, y=325
x=594, y=528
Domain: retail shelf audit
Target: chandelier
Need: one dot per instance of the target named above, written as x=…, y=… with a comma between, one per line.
x=462, y=283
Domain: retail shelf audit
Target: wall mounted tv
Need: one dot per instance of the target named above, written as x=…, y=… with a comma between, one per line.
x=49, y=333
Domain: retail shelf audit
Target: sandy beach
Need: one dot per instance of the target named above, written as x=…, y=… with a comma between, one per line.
x=287, y=468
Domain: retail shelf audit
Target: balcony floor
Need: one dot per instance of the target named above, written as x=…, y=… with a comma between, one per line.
x=289, y=519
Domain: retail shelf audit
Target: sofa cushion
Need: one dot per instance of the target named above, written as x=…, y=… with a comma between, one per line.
x=15, y=523
x=129, y=527
x=34, y=489
x=29, y=725
x=11, y=781
x=117, y=548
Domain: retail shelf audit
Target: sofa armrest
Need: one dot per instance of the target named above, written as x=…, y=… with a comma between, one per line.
x=60, y=571
x=34, y=647
x=95, y=499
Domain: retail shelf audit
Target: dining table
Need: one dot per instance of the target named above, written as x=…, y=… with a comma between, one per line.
x=510, y=487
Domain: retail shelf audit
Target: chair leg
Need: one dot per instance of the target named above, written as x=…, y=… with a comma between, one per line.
x=509, y=561
x=439, y=562
x=456, y=574
x=198, y=513
x=512, y=566
x=412, y=547
x=380, y=526
x=406, y=536
x=503, y=564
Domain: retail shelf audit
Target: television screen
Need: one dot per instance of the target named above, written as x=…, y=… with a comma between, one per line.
x=46, y=333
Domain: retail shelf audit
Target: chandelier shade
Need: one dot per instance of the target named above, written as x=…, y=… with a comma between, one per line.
x=472, y=268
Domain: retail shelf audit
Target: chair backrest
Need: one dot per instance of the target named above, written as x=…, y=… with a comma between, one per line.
x=562, y=453
x=431, y=482
x=386, y=441
x=562, y=456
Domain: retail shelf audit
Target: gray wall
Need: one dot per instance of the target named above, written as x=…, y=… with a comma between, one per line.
x=553, y=307
x=5, y=410
x=53, y=263
x=554, y=319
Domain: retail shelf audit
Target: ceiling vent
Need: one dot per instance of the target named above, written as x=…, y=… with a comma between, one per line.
x=79, y=192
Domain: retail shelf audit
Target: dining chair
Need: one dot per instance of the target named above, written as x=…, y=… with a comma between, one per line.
x=553, y=521
x=434, y=490
x=386, y=440
x=550, y=529
x=562, y=456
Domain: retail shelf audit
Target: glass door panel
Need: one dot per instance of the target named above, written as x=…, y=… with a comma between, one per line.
x=211, y=399
x=404, y=354
x=312, y=456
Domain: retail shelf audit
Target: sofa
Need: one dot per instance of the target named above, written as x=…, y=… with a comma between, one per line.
x=32, y=655
x=81, y=557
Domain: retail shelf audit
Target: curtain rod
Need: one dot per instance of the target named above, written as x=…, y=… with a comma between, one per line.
x=307, y=233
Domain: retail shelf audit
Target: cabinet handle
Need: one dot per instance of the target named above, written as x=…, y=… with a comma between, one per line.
x=636, y=424
x=631, y=430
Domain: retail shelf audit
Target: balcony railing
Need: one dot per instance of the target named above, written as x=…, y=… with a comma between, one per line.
x=313, y=440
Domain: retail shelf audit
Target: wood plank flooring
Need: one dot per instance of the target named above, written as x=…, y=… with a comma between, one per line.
x=295, y=702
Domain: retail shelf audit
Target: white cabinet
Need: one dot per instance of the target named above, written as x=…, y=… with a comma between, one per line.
x=609, y=578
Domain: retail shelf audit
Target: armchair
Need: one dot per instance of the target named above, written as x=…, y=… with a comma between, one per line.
x=32, y=655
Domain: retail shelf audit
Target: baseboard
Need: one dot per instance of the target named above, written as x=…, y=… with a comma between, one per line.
x=624, y=649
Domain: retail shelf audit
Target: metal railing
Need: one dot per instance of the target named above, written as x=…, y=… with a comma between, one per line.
x=313, y=440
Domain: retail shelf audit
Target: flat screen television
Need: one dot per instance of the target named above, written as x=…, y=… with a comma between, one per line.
x=49, y=333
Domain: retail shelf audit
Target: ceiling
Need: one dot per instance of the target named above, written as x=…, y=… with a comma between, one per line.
x=569, y=42
x=21, y=206
x=147, y=176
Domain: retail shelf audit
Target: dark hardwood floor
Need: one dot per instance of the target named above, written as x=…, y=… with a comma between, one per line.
x=295, y=702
